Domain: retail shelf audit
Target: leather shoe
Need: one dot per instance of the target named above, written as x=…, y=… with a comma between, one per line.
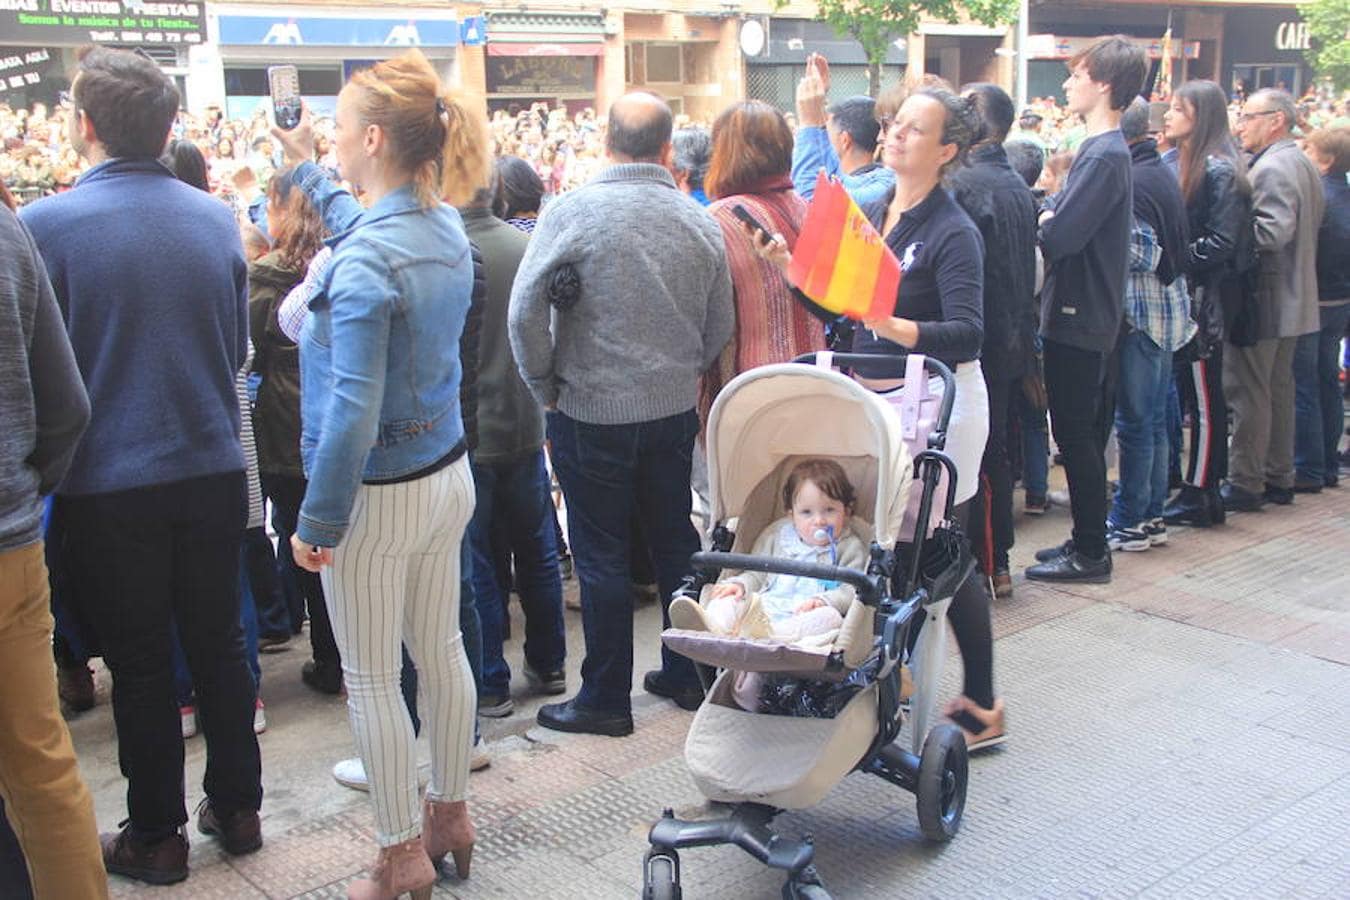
x=1236, y=499
x=1074, y=568
x=1190, y=507
x=1278, y=495
x=570, y=717
x=239, y=832
x=1308, y=486
x=162, y=862
x=655, y=683
x=1053, y=553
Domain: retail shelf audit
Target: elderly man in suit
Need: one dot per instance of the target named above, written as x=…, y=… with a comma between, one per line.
x=1287, y=209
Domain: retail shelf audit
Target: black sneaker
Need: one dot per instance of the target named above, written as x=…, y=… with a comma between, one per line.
x=1051, y=553
x=1156, y=529
x=1073, y=568
x=1131, y=539
x=554, y=682
x=1035, y=505
x=495, y=705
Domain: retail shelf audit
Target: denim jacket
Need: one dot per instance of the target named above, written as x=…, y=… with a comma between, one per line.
x=379, y=353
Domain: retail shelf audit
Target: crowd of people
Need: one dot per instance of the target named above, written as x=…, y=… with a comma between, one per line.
x=382, y=340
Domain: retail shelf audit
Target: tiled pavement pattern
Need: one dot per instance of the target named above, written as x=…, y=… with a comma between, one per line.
x=1181, y=732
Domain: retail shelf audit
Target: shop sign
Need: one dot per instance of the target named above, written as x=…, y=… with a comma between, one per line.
x=540, y=76
x=75, y=22
x=1293, y=36
x=22, y=67
x=473, y=31
x=335, y=32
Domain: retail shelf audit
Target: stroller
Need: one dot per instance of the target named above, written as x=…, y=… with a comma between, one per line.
x=761, y=425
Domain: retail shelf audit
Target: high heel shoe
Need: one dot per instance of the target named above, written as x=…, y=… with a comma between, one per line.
x=401, y=869
x=446, y=828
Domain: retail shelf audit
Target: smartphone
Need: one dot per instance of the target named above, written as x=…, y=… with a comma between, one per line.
x=740, y=212
x=285, y=85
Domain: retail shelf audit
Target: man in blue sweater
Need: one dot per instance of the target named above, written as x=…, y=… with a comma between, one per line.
x=150, y=278
x=842, y=139
x=1085, y=238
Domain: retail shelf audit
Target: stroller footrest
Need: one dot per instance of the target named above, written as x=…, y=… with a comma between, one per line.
x=747, y=827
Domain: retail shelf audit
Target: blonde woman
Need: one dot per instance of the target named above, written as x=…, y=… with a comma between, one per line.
x=390, y=490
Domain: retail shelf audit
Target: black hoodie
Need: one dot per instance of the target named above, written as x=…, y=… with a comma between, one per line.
x=1157, y=201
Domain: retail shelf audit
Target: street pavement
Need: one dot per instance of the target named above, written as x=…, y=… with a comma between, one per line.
x=1181, y=732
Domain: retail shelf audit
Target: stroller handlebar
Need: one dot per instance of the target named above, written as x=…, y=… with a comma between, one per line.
x=934, y=367
x=869, y=586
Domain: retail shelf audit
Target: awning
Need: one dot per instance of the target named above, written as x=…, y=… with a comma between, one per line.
x=498, y=47
x=513, y=33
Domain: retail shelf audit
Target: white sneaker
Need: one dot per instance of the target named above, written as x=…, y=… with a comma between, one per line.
x=1058, y=498
x=189, y=716
x=351, y=773
x=259, y=718
x=1135, y=539
x=480, y=758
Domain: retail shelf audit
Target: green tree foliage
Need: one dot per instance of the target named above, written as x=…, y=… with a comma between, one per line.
x=877, y=23
x=1329, y=24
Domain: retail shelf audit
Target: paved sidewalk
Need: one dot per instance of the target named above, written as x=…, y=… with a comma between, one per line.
x=1181, y=732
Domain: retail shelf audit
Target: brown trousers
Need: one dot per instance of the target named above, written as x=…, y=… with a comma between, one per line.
x=46, y=800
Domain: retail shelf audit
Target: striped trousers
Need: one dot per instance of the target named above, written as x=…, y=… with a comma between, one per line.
x=395, y=580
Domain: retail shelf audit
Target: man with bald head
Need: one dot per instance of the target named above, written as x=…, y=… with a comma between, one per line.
x=622, y=299
x=1258, y=376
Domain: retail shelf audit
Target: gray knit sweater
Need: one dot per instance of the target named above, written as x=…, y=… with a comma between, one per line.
x=654, y=308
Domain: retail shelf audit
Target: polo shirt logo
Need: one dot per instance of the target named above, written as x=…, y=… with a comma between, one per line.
x=907, y=259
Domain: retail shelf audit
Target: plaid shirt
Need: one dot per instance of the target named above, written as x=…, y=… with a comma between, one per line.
x=1161, y=312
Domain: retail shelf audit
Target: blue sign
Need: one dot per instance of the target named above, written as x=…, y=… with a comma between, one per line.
x=299, y=31
x=473, y=31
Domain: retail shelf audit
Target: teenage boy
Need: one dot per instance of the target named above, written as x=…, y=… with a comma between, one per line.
x=1085, y=239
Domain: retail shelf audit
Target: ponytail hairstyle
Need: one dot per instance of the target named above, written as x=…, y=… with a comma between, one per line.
x=431, y=133
x=961, y=123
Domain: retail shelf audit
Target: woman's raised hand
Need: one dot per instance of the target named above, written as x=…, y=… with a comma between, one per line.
x=298, y=142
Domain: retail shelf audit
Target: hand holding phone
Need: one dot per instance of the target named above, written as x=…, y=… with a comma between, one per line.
x=768, y=246
x=284, y=82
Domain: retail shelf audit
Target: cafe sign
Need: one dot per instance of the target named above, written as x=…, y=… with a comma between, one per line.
x=76, y=22
x=1293, y=36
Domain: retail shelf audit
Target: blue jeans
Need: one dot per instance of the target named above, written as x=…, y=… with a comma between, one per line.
x=1141, y=428
x=607, y=472
x=516, y=495
x=248, y=620
x=1035, y=447
x=1319, y=413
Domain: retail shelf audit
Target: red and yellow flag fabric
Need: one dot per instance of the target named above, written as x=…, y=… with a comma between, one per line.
x=840, y=261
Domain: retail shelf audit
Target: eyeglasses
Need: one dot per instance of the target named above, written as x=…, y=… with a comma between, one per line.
x=1247, y=117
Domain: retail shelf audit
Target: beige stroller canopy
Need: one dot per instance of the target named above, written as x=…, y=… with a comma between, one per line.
x=773, y=415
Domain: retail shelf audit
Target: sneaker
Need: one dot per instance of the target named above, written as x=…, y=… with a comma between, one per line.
x=554, y=682
x=1156, y=531
x=1058, y=498
x=1049, y=554
x=189, y=716
x=495, y=706
x=162, y=862
x=1035, y=505
x=75, y=685
x=1132, y=539
x=351, y=773
x=259, y=718
x=480, y=759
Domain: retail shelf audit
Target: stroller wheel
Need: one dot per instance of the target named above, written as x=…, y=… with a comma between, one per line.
x=795, y=891
x=943, y=772
x=661, y=876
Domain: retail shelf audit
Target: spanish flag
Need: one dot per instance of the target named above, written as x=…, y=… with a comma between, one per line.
x=840, y=261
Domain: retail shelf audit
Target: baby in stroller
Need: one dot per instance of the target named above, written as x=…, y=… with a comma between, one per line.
x=819, y=500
